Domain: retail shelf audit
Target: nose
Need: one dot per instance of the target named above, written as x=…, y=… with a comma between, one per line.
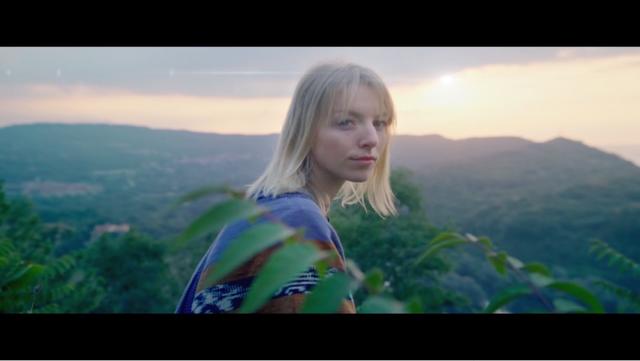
x=369, y=137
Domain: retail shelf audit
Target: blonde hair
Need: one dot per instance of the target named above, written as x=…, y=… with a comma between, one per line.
x=312, y=103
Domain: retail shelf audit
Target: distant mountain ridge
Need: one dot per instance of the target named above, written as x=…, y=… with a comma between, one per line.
x=537, y=200
x=407, y=150
x=41, y=151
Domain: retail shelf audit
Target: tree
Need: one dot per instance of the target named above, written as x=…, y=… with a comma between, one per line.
x=391, y=244
x=32, y=279
x=135, y=273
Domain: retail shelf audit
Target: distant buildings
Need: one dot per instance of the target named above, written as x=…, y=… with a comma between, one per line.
x=59, y=189
x=101, y=229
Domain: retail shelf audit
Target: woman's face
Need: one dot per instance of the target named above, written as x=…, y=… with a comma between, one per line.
x=352, y=133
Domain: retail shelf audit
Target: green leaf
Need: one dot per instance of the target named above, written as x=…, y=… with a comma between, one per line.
x=374, y=281
x=199, y=193
x=206, y=191
x=567, y=306
x=444, y=236
x=59, y=267
x=414, y=305
x=604, y=250
x=486, y=242
x=282, y=267
x=601, y=253
x=516, y=263
x=614, y=258
x=620, y=292
x=328, y=294
x=322, y=266
x=535, y=267
x=579, y=292
x=25, y=277
x=596, y=245
x=378, y=304
x=505, y=296
x=249, y=243
x=296, y=237
x=499, y=262
x=216, y=217
x=6, y=248
x=541, y=280
x=354, y=270
x=431, y=250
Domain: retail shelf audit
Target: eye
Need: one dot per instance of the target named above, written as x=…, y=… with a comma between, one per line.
x=345, y=123
x=380, y=124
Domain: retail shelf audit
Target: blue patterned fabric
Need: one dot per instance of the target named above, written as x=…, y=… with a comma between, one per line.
x=227, y=297
x=296, y=209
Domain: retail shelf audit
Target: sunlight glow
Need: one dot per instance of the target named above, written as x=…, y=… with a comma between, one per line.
x=446, y=80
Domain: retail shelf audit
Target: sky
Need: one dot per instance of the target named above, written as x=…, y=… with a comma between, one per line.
x=538, y=93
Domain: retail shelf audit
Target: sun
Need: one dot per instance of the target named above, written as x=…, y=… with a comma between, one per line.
x=447, y=80
x=447, y=90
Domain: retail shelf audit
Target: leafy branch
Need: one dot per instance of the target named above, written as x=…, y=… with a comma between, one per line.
x=532, y=277
x=603, y=250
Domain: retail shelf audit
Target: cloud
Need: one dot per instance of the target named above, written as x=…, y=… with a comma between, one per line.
x=586, y=93
x=585, y=98
x=198, y=113
x=239, y=71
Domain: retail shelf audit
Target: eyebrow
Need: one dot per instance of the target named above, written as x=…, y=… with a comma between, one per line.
x=351, y=112
x=358, y=115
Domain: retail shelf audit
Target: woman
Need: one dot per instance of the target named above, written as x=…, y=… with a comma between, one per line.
x=334, y=145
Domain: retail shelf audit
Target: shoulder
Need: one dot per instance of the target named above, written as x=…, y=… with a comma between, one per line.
x=295, y=212
x=301, y=212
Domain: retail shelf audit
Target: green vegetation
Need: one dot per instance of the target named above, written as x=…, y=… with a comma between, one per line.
x=630, y=298
x=539, y=203
x=111, y=274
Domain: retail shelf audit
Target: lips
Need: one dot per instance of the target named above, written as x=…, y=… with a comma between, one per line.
x=365, y=158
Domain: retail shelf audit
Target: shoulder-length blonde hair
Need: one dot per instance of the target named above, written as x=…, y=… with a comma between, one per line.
x=312, y=104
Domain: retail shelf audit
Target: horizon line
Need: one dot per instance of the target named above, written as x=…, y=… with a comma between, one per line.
x=270, y=134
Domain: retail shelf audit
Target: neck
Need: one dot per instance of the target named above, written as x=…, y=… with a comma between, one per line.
x=323, y=192
x=323, y=186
